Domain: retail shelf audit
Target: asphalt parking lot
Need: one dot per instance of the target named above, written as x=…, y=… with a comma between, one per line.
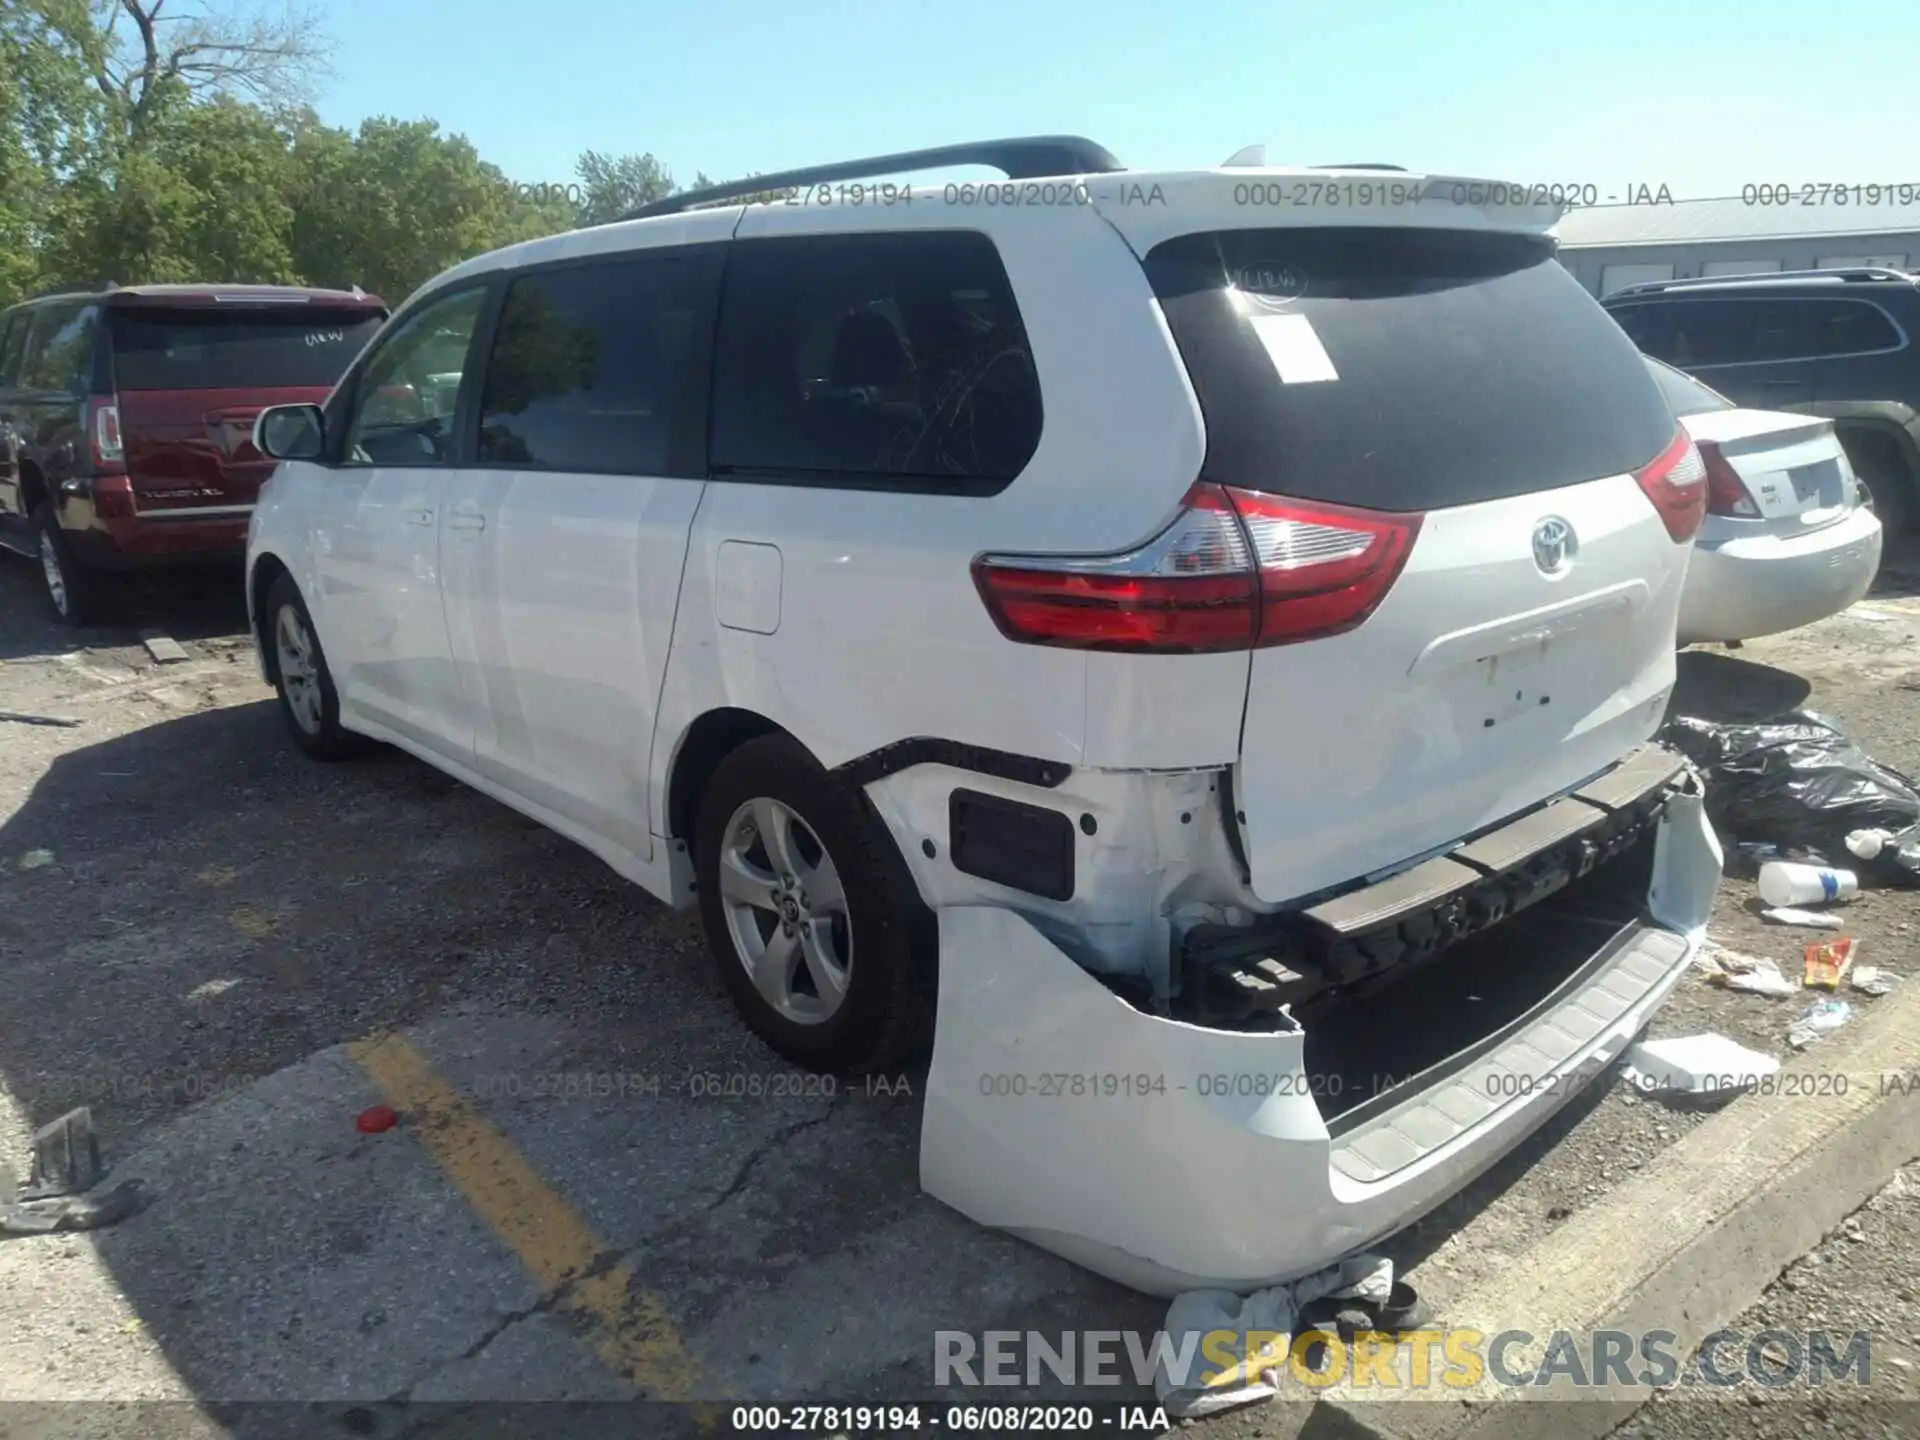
x=602, y=1187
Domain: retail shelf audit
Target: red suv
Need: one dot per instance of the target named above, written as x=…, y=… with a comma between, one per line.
x=126, y=419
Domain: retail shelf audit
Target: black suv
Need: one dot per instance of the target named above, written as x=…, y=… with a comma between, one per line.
x=1837, y=343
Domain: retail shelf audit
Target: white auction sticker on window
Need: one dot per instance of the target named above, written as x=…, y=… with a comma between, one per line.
x=1295, y=348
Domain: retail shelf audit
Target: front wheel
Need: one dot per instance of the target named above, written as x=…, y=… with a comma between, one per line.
x=308, y=701
x=813, y=922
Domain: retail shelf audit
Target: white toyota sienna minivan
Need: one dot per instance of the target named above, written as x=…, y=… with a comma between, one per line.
x=1186, y=646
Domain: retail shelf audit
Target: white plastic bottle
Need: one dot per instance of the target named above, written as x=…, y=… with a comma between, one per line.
x=1784, y=883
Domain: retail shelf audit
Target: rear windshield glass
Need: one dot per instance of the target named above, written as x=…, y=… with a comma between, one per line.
x=1686, y=396
x=236, y=350
x=1402, y=369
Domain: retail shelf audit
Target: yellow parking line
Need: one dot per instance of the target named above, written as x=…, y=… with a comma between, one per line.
x=636, y=1337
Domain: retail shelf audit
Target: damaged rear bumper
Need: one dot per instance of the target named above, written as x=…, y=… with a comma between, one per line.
x=1171, y=1155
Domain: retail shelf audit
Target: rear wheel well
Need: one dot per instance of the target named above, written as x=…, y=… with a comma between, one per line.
x=266, y=570
x=33, y=487
x=710, y=739
x=1879, y=453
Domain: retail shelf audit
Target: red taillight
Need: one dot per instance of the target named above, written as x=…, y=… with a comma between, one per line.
x=1726, y=492
x=103, y=434
x=1676, y=482
x=1234, y=571
x=113, y=497
x=1323, y=568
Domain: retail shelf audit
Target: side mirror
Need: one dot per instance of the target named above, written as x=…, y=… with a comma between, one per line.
x=290, y=432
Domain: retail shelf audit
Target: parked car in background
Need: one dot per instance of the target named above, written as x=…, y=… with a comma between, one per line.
x=1836, y=343
x=1786, y=540
x=126, y=419
x=1137, y=628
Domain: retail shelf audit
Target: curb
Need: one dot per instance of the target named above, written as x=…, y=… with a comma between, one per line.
x=1702, y=1232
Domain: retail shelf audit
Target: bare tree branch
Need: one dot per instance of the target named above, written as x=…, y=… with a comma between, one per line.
x=207, y=47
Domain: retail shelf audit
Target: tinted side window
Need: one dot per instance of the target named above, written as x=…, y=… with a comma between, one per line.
x=60, y=350
x=13, y=340
x=1649, y=326
x=897, y=359
x=407, y=396
x=1851, y=327
x=600, y=367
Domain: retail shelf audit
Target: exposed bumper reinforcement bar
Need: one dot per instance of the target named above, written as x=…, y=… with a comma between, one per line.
x=1354, y=936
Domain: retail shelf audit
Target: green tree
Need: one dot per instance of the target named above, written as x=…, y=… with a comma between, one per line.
x=398, y=202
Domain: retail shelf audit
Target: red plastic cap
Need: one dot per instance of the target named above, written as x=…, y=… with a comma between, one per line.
x=377, y=1119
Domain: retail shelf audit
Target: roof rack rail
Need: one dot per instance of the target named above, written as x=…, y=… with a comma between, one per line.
x=1019, y=158
x=1854, y=273
x=1363, y=165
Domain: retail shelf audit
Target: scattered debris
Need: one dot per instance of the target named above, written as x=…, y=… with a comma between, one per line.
x=66, y=1167
x=66, y=1157
x=1866, y=844
x=1784, y=883
x=1808, y=919
x=36, y=860
x=21, y=717
x=1799, y=784
x=376, y=1120
x=1872, y=980
x=1697, y=1065
x=1362, y=1283
x=163, y=647
x=1827, y=962
x=1821, y=1017
x=1754, y=974
x=72, y=1212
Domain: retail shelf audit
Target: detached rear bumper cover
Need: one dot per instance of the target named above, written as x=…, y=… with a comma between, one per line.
x=1241, y=1187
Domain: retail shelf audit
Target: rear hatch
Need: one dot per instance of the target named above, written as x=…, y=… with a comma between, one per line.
x=1450, y=385
x=192, y=378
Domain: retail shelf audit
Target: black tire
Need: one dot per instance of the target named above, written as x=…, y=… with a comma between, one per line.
x=76, y=599
x=324, y=739
x=884, y=1020
x=1889, y=487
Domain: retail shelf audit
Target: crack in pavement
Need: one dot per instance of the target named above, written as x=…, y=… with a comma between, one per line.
x=767, y=1146
x=611, y=1258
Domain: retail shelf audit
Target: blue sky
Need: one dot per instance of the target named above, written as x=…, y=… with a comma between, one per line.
x=1703, y=96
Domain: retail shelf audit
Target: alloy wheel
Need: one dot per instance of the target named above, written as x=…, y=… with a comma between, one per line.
x=299, y=675
x=56, y=577
x=786, y=911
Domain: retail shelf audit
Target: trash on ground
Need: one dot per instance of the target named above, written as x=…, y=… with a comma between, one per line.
x=1827, y=962
x=1809, y=919
x=376, y=1119
x=36, y=860
x=1784, y=883
x=1697, y=1065
x=1822, y=1016
x=1798, y=783
x=1866, y=844
x=1872, y=980
x=21, y=717
x=66, y=1168
x=1752, y=973
x=72, y=1212
x=1365, y=1280
x=66, y=1157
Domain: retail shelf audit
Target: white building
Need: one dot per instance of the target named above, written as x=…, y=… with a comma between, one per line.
x=1767, y=228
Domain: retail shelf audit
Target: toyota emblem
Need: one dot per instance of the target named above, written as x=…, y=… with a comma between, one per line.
x=1554, y=545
